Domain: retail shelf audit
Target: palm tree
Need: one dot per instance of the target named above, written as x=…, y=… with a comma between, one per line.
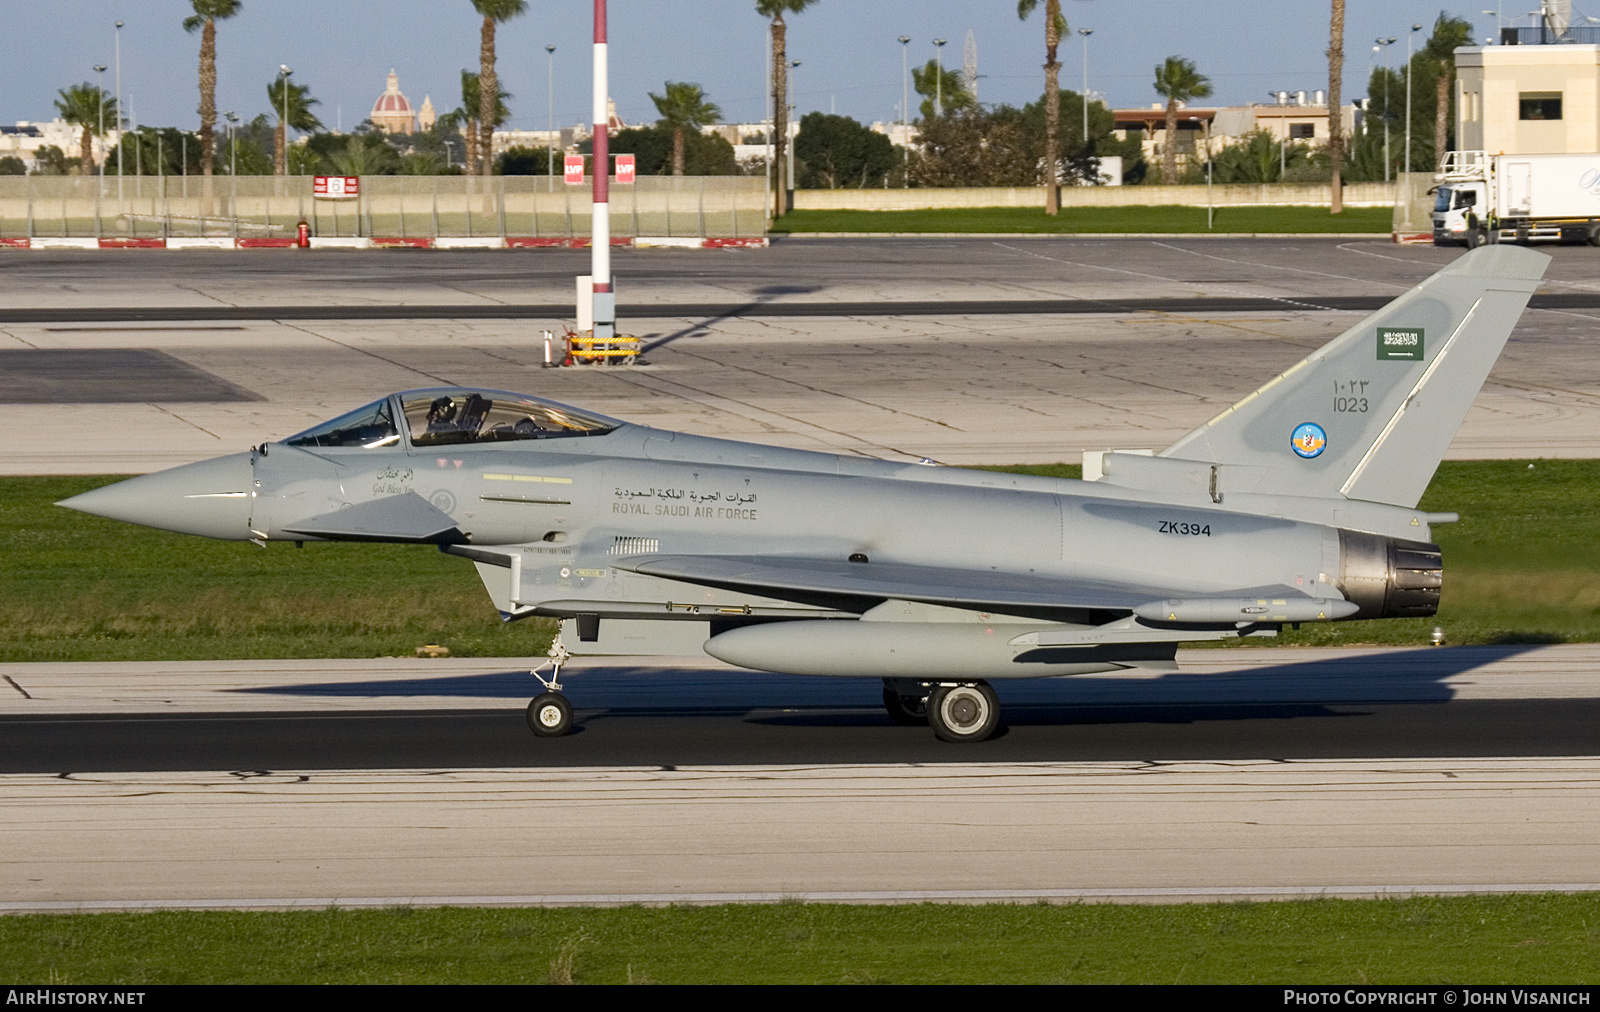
x=1055, y=26
x=947, y=86
x=683, y=107
x=774, y=10
x=493, y=11
x=295, y=101
x=206, y=15
x=303, y=161
x=421, y=163
x=90, y=108
x=1179, y=81
x=465, y=119
x=1448, y=33
x=1335, y=114
x=361, y=158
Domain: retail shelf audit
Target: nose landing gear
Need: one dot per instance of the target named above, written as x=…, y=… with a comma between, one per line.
x=549, y=714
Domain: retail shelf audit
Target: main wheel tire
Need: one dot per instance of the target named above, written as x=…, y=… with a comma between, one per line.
x=1594, y=236
x=550, y=715
x=966, y=712
x=907, y=711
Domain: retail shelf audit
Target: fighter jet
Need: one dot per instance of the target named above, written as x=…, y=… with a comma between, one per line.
x=1297, y=504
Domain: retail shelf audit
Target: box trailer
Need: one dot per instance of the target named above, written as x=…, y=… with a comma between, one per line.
x=1517, y=198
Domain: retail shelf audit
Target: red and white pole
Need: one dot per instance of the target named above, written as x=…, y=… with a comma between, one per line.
x=605, y=300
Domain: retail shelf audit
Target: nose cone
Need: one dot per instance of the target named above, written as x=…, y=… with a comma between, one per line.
x=211, y=498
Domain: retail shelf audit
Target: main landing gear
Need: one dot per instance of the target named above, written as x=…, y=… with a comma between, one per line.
x=550, y=715
x=906, y=701
x=957, y=711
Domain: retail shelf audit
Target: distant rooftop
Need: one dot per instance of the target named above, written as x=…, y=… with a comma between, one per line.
x=1548, y=35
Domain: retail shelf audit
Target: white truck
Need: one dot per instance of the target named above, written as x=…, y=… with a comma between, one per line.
x=1484, y=198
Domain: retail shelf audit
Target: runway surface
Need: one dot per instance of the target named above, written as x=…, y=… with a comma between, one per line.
x=750, y=310
x=1131, y=831
x=791, y=270
x=1247, y=774
x=772, y=310
x=1258, y=704
x=664, y=737
x=962, y=351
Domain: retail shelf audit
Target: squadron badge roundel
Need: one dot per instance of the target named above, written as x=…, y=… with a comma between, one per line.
x=1308, y=439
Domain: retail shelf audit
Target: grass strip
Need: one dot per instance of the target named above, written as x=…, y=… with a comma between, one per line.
x=1522, y=566
x=1522, y=939
x=1081, y=220
x=79, y=588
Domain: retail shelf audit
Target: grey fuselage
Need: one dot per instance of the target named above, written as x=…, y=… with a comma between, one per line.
x=1009, y=575
x=698, y=495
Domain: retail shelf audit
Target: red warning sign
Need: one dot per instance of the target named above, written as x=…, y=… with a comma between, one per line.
x=335, y=187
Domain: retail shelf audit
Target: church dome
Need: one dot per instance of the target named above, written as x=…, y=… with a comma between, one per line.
x=392, y=111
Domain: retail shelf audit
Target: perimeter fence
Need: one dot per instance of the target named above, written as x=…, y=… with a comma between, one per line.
x=160, y=207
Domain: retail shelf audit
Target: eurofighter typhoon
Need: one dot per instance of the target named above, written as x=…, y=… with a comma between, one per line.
x=1297, y=504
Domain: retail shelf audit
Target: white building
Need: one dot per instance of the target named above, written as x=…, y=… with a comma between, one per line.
x=1296, y=118
x=901, y=135
x=1528, y=99
x=26, y=138
x=563, y=138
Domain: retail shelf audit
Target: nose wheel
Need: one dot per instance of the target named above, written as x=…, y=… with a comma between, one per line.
x=549, y=714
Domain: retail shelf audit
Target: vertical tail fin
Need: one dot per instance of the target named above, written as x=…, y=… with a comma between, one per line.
x=1370, y=414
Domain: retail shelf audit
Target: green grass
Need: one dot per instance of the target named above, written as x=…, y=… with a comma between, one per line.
x=1148, y=218
x=1491, y=940
x=82, y=588
x=1523, y=566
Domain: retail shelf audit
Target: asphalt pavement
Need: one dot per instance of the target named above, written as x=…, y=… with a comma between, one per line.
x=965, y=351
x=1248, y=774
x=1257, y=703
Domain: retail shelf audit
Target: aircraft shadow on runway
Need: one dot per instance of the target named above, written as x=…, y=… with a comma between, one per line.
x=1381, y=705
x=1304, y=688
x=764, y=295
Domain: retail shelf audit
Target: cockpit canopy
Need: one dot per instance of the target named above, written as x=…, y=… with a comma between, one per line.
x=452, y=416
